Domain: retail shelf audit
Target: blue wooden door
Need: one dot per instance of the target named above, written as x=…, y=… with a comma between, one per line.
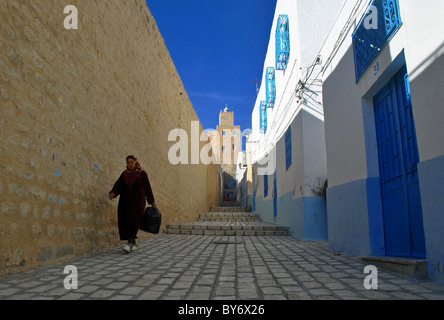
x=398, y=159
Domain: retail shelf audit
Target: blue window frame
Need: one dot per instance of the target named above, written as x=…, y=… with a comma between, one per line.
x=282, y=42
x=265, y=185
x=270, y=87
x=370, y=38
x=263, y=116
x=288, y=159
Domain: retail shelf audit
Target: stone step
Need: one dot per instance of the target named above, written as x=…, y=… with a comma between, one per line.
x=228, y=221
x=229, y=216
x=417, y=268
x=230, y=209
x=228, y=228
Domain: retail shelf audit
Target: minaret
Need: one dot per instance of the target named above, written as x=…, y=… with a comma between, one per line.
x=226, y=149
x=230, y=139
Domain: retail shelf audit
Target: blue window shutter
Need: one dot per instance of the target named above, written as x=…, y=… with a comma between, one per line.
x=282, y=42
x=288, y=150
x=270, y=87
x=263, y=116
x=265, y=185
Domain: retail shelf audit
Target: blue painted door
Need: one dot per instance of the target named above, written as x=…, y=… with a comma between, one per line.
x=398, y=159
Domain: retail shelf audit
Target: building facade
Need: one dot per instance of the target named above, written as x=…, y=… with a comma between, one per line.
x=244, y=175
x=287, y=140
x=226, y=142
x=383, y=107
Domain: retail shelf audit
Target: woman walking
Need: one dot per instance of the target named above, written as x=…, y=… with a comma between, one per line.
x=133, y=186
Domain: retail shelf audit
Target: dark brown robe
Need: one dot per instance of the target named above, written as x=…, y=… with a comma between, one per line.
x=133, y=188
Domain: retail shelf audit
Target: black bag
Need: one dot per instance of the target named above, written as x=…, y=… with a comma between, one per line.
x=151, y=220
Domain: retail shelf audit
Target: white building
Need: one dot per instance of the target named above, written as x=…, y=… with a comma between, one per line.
x=287, y=141
x=242, y=179
x=383, y=103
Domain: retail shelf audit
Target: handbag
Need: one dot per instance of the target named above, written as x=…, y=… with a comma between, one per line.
x=151, y=220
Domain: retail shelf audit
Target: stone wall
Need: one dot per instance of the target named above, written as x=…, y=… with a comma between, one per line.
x=73, y=105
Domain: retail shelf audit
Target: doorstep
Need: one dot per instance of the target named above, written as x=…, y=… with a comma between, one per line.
x=417, y=268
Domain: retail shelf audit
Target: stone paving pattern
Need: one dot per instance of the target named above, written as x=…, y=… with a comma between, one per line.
x=199, y=267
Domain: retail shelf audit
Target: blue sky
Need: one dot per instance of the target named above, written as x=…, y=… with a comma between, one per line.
x=218, y=48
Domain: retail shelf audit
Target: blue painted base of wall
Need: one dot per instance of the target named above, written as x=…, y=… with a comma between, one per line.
x=355, y=224
x=306, y=217
x=431, y=181
x=355, y=219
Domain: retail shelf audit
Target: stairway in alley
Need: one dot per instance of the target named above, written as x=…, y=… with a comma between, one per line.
x=228, y=221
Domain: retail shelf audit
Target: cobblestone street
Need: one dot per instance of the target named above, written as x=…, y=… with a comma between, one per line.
x=199, y=267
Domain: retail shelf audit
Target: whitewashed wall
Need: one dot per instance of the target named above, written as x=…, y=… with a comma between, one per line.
x=299, y=188
x=354, y=204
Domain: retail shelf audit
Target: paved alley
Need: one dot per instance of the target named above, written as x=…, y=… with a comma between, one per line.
x=200, y=267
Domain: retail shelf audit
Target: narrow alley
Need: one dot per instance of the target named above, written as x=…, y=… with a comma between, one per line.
x=331, y=175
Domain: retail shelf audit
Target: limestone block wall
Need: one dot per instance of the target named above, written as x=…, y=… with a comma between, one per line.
x=73, y=105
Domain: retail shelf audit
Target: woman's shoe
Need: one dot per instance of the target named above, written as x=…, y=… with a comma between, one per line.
x=134, y=248
x=127, y=248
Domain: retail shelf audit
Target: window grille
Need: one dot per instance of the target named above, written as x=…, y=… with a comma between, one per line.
x=270, y=84
x=370, y=37
x=282, y=42
x=263, y=116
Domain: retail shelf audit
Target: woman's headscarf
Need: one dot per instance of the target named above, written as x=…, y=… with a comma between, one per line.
x=138, y=167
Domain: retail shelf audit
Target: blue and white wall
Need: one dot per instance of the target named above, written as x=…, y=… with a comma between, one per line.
x=299, y=203
x=354, y=205
x=295, y=125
